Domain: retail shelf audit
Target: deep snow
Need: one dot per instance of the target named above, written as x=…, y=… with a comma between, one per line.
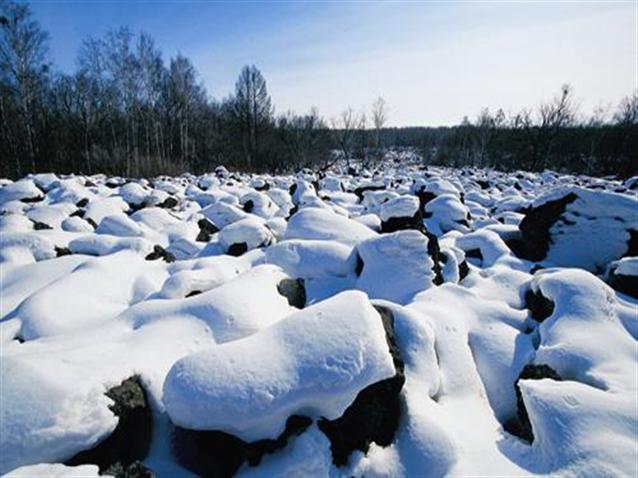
x=241, y=300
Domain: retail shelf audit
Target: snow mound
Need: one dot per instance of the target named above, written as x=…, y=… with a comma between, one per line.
x=312, y=363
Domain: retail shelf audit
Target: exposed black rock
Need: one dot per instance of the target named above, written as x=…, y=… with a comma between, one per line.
x=82, y=202
x=91, y=222
x=40, y=226
x=359, y=267
x=131, y=439
x=292, y=211
x=360, y=190
x=62, y=251
x=535, y=239
x=137, y=469
x=249, y=206
x=632, y=244
x=237, y=249
x=400, y=223
x=265, y=187
x=292, y=189
x=294, y=290
x=520, y=425
x=217, y=454
x=33, y=199
x=535, y=268
x=193, y=293
x=474, y=253
x=132, y=207
x=78, y=213
x=539, y=305
x=160, y=253
x=625, y=284
x=206, y=229
x=424, y=198
x=168, y=203
x=464, y=270
x=483, y=184
x=374, y=415
x=434, y=251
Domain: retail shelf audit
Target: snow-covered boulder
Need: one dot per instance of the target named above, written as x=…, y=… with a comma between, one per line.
x=397, y=266
x=245, y=235
x=319, y=224
x=314, y=362
x=574, y=227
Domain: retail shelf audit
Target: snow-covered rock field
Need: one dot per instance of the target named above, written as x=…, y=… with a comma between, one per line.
x=410, y=322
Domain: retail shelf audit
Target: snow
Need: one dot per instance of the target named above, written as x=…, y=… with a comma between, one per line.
x=250, y=387
x=250, y=231
x=396, y=266
x=312, y=258
x=318, y=224
x=55, y=470
x=218, y=346
x=402, y=206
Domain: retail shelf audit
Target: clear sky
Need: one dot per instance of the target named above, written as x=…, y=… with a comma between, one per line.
x=433, y=62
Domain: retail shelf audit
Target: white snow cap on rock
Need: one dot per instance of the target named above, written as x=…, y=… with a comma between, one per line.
x=314, y=363
x=402, y=206
x=395, y=266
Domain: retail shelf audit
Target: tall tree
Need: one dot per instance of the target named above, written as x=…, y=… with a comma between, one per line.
x=184, y=95
x=253, y=110
x=24, y=65
x=379, y=119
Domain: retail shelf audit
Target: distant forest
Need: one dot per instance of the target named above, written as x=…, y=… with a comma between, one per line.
x=126, y=111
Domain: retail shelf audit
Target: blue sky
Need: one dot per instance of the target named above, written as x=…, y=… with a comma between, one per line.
x=433, y=62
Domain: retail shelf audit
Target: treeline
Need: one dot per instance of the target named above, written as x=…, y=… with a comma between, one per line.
x=128, y=111
x=551, y=136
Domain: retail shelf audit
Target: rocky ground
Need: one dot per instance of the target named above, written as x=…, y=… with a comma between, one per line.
x=406, y=322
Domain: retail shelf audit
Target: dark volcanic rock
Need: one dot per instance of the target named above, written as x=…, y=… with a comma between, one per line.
x=464, y=270
x=632, y=244
x=374, y=415
x=359, y=191
x=294, y=291
x=160, y=253
x=218, y=454
x=62, y=251
x=237, y=249
x=424, y=197
x=91, y=222
x=474, y=253
x=82, y=202
x=206, y=229
x=137, y=469
x=40, y=226
x=32, y=199
x=168, y=203
x=625, y=284
x=521, y=426
x=131, y=439
x=535, y=227
x=539, y=305
x=249, y=206
x=434, y=252
x=359, y=267
x=400, y=223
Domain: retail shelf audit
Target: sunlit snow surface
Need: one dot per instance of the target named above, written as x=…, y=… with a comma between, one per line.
x=87, y=301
